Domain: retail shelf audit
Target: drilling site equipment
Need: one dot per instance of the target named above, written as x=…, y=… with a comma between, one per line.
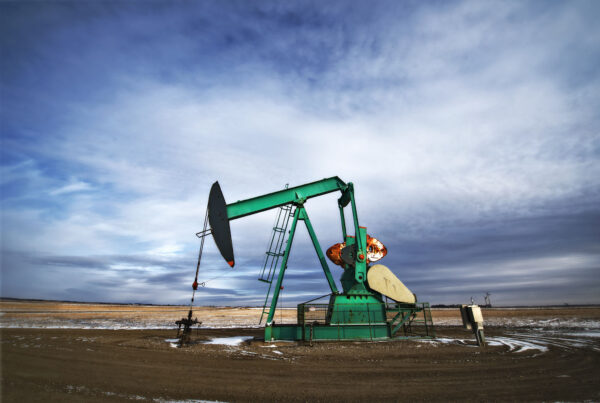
x=373, y=303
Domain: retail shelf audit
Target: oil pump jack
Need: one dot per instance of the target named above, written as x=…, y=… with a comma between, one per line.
x=373, y=303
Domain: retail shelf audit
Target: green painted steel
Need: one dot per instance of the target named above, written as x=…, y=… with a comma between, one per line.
x=355, y=309
x=343, y=220
x=347, y=278
x=329, y=333
x=286, y=255
x=358, y=313
x=299, y=214
x=345, y=197
x=276, y=244
x=298, y=194
x=367, y=323
x=275, y=252
x=402, y=321
x=315, y=241
x=360, y=244
x=360, y=270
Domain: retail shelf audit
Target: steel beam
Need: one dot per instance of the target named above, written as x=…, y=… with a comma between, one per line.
x=297, y=194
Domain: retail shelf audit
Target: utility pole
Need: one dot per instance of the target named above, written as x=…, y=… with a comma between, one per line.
x=488, y=303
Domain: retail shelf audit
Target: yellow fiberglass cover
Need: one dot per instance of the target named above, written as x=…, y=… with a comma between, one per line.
x=381, y=279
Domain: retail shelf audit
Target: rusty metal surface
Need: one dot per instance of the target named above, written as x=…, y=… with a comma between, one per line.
x=375, y=251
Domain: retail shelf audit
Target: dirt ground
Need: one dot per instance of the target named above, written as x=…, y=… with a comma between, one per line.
x=550, y=364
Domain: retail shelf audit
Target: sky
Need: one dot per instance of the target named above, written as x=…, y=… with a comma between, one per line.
x=470, y=130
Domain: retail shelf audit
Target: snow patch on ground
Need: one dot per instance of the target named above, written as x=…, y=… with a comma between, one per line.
x=187, y=401
x=173, y=342
x=534, y=339
x=553, y=323
x=229, y=341
x=515, y=345
x=583, y=334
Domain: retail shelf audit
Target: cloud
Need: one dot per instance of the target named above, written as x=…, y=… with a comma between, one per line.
x=471, y=137
x=77, y=186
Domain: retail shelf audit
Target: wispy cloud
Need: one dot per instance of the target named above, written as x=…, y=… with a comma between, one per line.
x=469, y=130
x=76, y=186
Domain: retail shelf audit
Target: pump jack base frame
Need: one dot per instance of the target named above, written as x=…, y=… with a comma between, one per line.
x=356, y=318
x=358, y=313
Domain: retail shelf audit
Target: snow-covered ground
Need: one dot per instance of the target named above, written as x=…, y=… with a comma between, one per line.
x=114, y=324
x=224, y=322
x=532, y=339
x=229, y=341
x=552, y=323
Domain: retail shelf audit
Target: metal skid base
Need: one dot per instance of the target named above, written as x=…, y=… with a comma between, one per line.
x=348, y=319
x=319, y=332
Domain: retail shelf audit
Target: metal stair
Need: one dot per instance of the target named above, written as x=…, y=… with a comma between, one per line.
x=275, y=251
x=411, y=321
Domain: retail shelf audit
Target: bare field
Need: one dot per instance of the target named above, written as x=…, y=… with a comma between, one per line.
x=99, y=352
x=20, y=314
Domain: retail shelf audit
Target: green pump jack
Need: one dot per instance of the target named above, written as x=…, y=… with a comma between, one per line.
x=362, y=310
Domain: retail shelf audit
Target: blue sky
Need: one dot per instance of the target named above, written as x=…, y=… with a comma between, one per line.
x=470, y=131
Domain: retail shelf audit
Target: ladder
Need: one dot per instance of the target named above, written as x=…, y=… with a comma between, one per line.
x=429, y=329
x=275, y=251
x=413, y=321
